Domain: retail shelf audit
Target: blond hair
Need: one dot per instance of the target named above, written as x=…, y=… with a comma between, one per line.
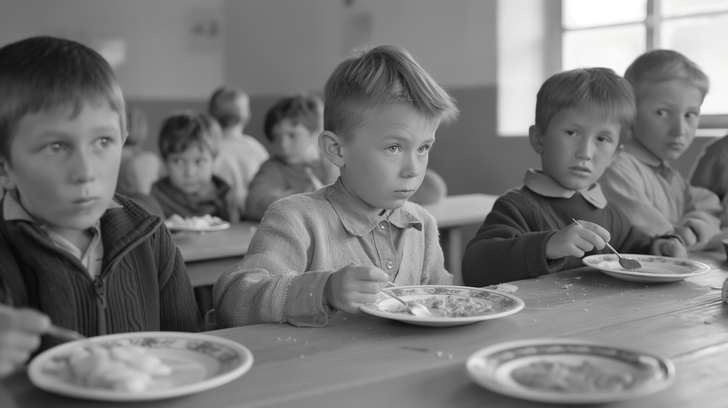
x=658, y=66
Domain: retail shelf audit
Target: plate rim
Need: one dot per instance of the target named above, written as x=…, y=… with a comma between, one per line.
x=496, y=386
x=703, y=267
x=38, y=378
x=443, y=320
x=218, y=227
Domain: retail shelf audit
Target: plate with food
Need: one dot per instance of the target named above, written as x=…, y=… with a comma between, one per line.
x=569, y=371
x=655, y=269
x=449, y=305
x=206, y=223
x=139, y=366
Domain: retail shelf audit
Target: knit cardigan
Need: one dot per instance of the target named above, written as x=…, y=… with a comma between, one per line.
x=143, y=284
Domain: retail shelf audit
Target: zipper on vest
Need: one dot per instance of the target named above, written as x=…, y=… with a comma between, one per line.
x=100, y=287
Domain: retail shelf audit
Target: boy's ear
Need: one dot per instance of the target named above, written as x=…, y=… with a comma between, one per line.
x=536, y=138
x=7, y=181
x=331, y=146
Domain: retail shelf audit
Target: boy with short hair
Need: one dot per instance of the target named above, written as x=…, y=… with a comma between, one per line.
x=581, y=115
x=92, y=261
x=189, y=144
x=335, y=248
x=669, y=90
x=292, y=126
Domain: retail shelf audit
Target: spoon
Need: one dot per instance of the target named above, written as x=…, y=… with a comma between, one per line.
x=64, y=334
x=414, y=308
x=624, y=262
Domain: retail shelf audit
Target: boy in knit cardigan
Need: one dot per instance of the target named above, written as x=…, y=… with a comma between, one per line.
x=335, y=248
x=581, y=116
x=89, y=260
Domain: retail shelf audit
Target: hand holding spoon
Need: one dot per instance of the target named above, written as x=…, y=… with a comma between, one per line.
x=414, y=308
x=626, y=263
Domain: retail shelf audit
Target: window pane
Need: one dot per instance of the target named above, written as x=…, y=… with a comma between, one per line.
x=672, y=8
x=700, y=39
x=590, y=13
x=614, y=47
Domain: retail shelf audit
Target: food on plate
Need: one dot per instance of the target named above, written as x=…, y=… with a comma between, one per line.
x=119, y=367
x=449, y=306
x=204, y=222
x=557, y=376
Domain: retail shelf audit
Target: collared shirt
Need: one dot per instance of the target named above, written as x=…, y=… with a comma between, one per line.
x=661, y=167
x=548, y=187
x=92, y=258
x=380, y=235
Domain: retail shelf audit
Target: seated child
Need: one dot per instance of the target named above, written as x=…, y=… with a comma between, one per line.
x=711, y=168
x=292, y=126
x=240, y=155
x=581, y=116
x=90, y=260
x=669, y=90
x=335, y=248
x=188, y=143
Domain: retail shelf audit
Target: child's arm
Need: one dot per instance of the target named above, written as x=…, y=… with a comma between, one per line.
x=667, y=246
x=20, y=331
x=576, y=239
x=353, y=286
x=700, y=221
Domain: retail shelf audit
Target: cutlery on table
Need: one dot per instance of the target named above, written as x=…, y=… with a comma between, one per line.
x=64, y=334
x=624, y=262
x=416, y=309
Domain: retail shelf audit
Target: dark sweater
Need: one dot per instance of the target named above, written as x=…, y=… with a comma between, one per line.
x=143, y=284
x=511, y=243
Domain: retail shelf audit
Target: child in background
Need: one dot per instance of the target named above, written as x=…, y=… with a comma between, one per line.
x=240, y=155
x=669, y=90
x=90, y=260
x=188, y=143
x=293, y=126
x=335, y=248
x=711, y=168
x=581, y=116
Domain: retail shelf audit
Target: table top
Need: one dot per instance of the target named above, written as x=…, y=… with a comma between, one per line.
x=364, y=361
x=232, y=242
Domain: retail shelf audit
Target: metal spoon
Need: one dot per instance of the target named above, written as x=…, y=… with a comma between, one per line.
x=413, y=307
x=624, y=262
x=64, y=334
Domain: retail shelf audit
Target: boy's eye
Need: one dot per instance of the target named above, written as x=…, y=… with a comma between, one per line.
x=692, y=115
x=103, y=141
x=177, y=162
x=604, y=139
x=394, y=149
x=570, y=132
x=662, y=112
x=200, y=162
x=56, y=147
x=424, y=149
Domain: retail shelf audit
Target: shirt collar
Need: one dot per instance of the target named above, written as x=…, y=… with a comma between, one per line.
x=548, y=187
x=641, y=153
x=14, y=211
x=360, y=221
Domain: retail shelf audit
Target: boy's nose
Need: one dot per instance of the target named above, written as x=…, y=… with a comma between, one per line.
x=412, y=167
x=585, y=150
x=83, y=171
x=678, y=127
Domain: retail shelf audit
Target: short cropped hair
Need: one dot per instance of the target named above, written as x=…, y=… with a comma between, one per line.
x=306, y=110
x=594, y=87
x=657, y=66
x=42, y=73
x=223, y=106
x=381, y=76
x=188, y=128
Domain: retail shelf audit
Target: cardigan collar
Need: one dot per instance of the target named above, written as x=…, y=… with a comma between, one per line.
x=546, y=186
x=359, y=221
x=641, y=153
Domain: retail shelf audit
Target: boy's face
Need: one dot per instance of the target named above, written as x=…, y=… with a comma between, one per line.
x=65, y=167
x=191, y=170
x=385, y=158
x=294, y=143
x=579, y=144
x=667, y=117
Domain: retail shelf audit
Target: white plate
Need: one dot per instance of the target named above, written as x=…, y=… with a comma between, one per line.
x=217, y=225
x=501, y=304
x=654, y=268
x=199, y=362
x=492, y=368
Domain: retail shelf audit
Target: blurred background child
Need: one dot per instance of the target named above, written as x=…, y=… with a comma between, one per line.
x=669, y=90
x=189, y=143
x=293, y=126
x=240, y=155
x=711, y=168
x=581, y=116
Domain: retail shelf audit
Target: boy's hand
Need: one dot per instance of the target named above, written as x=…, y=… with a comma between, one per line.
x=687, y=235
x=575, y=240
x=20, y=331
x=669, y=247
x=352, y=286
x=702, y=232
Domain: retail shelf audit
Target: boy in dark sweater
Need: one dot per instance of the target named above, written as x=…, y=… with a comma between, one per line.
x=581, y=116
x=86, y=259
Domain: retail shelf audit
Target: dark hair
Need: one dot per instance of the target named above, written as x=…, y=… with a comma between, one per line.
x=595, y=87
x=42, y=73
x=223, y=106
x=188, y=128
x=306, y=110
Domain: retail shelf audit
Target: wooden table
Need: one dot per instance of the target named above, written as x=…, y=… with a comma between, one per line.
x=364, y=361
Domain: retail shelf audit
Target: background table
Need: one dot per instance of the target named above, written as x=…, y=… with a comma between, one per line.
x=364, y=361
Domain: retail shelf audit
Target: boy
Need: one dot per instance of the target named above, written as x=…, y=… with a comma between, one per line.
x=335, y=248
x=580, y=118
x=669, y=89
x=711, y=168
x=240, y=155
x=188, y=143
x=91, y=261
x=292, y=126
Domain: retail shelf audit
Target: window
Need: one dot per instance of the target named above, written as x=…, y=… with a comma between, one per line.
x=612, y=33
